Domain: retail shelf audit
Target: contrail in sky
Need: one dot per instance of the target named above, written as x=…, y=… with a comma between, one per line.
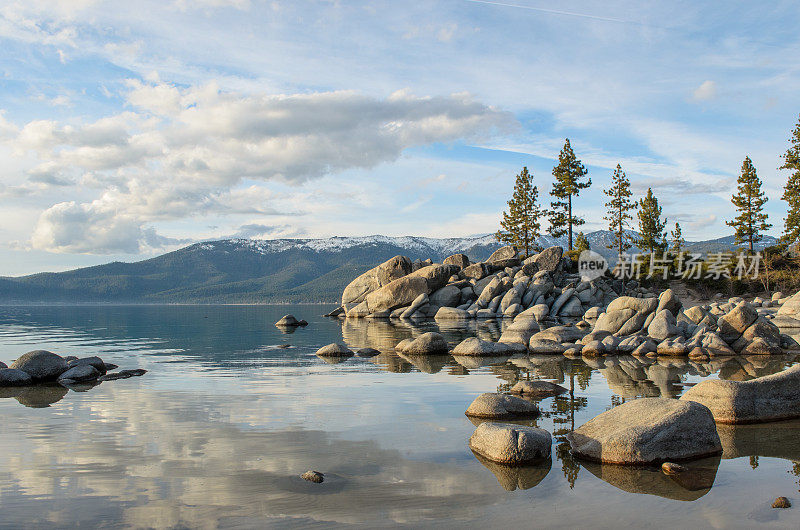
x=554, y=11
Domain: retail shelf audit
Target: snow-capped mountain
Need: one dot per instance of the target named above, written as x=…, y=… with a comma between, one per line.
x=265, y=271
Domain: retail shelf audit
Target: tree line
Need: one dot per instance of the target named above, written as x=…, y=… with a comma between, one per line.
x=522, y=222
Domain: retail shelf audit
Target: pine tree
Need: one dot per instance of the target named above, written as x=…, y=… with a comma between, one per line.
x=651, y=227
x=749, y=201
x=581, y=243
x=568, y=174
x=791, y=192
x=520, y=224
x=678, y=243
x=618, y=210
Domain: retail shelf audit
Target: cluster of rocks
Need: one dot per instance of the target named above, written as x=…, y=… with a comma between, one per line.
x=501, y=287
x=41, y=366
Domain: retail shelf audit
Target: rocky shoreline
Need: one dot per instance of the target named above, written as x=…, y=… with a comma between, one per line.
x=548, y=311
x=39, y=374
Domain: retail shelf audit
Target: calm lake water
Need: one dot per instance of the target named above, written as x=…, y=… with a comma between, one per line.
x=217, y=432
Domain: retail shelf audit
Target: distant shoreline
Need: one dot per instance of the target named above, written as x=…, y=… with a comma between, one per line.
x=153, y=304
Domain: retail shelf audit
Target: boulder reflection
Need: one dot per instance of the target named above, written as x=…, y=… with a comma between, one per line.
x=690, y=485
x=517, y=477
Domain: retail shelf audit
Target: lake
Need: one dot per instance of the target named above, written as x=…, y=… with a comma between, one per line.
x=218, y=431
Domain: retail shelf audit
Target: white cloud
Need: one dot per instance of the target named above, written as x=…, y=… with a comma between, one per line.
x=92, y=228
x=181, y=152
x=705, y=92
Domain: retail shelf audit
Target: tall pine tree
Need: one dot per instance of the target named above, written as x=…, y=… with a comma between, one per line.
x=791, y=192
x=749, y=201
x=568, y=174
x=678, y=243
x=520, y=225
x=619, y=208
x=651, y=227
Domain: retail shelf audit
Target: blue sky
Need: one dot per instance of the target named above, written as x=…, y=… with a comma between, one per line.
x=128, y=129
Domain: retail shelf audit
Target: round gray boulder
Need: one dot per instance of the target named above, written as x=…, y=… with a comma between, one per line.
x=337, y=349
x=41, y=365
x=537, y=388
x=510, y=444
x=12, y=377
x=478, y=347
x=94, y=361
x=500, y=406
x=648, y=430
x=430, y=343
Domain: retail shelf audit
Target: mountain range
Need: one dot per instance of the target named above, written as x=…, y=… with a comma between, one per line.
x=264, y=271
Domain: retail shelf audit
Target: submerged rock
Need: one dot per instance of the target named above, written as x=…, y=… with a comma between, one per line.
x=41, y=365
x=782, y=502
x=313, y=476
x=500, y=406
x=510, y=444
x=367, y=352
x=122, y=374
x=648, y=430
x=764, y=399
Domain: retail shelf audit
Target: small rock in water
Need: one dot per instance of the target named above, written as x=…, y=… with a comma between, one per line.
x=3, y=365
x=337, y=349
x=313, y=476
x=289, y=321
x=367, y=352
x=782, y=502
x=110, y=366
x=671, y=468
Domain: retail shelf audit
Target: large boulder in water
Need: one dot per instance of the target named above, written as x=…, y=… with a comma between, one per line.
x=403, y=291
x=769, y=398
x=430, y=343
x=375, y=278
x=399, y=293
x=78, y=374
x=41, y=365
x=648, y=430
x=474, y=346
x=500, y=406
x=510, y=444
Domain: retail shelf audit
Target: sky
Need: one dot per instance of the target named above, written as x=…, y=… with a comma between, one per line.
x=128, y=129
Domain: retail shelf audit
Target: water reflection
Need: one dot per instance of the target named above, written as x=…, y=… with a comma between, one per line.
x=690, y=485
x=37, y=397
x=517, y=477
x=220, y=432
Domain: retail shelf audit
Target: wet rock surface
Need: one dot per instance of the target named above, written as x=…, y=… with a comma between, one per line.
x=648, y=430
